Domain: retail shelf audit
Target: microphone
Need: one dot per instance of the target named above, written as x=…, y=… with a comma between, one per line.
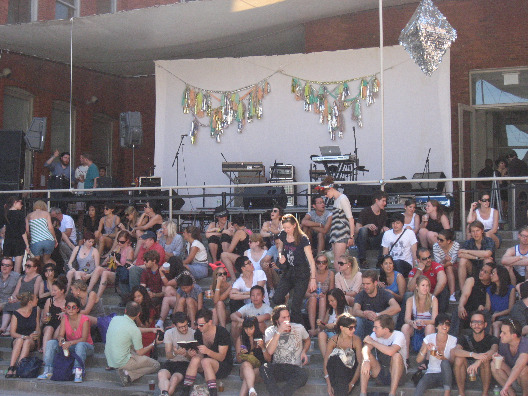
x=184, y=135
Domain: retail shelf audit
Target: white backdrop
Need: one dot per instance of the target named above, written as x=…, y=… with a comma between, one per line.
x=417, y=116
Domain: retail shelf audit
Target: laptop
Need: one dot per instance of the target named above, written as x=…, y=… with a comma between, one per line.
x=327, y=151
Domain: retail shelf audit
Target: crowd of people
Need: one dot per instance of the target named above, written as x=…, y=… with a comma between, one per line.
x=274, y=292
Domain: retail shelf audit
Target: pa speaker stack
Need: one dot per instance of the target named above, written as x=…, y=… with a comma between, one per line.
x=264, y=197
x=130, y=129
x=428, y=187
x=280, y=173
x=360, y=194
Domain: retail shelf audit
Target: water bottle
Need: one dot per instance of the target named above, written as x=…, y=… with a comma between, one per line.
x=496, y=390
x=319, y=289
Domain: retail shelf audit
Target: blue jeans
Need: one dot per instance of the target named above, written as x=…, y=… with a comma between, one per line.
x=428, y=381
x=364, y=242
x=364, y=327
x=199, y=270
x=83, y=349
x=134, y=276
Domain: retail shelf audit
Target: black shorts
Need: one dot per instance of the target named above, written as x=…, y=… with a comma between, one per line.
x=175, y=367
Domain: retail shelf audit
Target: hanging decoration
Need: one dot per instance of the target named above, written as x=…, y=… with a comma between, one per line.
x=330, y=104
x=232, y=108
x=427, y=36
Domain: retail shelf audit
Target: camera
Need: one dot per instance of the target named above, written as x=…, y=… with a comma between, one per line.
x=160, y=335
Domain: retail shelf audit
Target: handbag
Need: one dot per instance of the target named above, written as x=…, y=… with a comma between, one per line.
x=102, y=325
x=75, y=263
x=63, y=366
x=416, y=377
x=122, y=275
x=29, y=367
x=252, y=359
x=200, y=390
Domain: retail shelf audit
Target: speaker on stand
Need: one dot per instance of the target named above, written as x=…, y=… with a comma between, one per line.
x=131, y=134
x=35, y=138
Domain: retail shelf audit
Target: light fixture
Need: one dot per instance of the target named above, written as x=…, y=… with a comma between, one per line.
x=92, y=100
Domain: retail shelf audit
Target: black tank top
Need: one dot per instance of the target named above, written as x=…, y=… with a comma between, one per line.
x=478, y=296
x=242, y=245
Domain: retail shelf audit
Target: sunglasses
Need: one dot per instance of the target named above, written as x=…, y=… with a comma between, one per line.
x=425, y=258
x=352, y=327
x=71, y=306
x=122, y=242
x=8, y=265
x=275, y=211
x=341, y=263
x=222, y=274
x=322, y=262
x=106, y=209
x=200, y=324
x=484, y=200
x=477, y=322
x=441, y=240
x=49, y=270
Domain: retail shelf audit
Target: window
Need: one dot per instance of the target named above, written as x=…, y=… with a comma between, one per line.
x=18, y=110
x=60, y=127
x=504, y=86
x=101, y=151
x=66, y=9
x=106, y=6
x=22, y=11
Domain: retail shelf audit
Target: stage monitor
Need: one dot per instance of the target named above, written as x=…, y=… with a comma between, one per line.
x=429, y=186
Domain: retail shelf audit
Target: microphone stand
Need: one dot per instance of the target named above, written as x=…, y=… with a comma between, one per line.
x=177, y=160
x=427, y=169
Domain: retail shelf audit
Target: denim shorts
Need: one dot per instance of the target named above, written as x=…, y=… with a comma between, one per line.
x=42, y=247
x=199, y=270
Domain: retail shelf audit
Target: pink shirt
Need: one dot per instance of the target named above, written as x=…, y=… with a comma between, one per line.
x=70, y=335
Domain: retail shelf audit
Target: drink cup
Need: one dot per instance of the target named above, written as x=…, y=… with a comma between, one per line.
x=434, y=352
x=208, y=294
x=472, y=377
x=287, y=322
x=220, y=386
x=497, y=360
x=166, y=266
x=152, y=385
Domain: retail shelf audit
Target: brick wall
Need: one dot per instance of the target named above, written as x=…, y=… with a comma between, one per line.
x=49, y=81
x=490, y=35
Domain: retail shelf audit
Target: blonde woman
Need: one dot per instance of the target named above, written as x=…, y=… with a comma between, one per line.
x=348, y=277
x=170, y=240
x=420, y=313
x=317, y=299
x=220, y=289
x=41, y=233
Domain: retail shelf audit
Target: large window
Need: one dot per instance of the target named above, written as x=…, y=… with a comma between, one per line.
x=66, y=9
x=22, y=11
x=102, y=142
x=60, y=127
x=503, y=86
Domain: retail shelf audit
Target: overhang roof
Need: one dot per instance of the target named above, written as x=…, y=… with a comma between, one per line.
x=126, y=43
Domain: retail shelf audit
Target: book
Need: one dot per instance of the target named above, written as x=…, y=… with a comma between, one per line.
x=188, y=344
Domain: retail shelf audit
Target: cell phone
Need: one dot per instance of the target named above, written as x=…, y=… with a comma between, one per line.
x=160, y=335
x=127, y=265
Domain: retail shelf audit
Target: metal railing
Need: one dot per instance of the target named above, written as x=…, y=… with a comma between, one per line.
x=453, y=186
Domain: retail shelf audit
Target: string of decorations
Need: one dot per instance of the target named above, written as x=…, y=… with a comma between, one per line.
x=330, y=103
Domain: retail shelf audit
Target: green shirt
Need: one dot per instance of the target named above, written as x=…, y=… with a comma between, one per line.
x=122, y=335
x=92, y=173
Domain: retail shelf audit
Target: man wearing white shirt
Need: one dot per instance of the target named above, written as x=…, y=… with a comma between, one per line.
x=400, y=244
x=384, y=355
x=67, y=226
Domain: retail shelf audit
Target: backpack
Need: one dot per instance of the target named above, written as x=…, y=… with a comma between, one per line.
x=122, y=275
x=29, y=367
x=102, y=325
x=63, y=366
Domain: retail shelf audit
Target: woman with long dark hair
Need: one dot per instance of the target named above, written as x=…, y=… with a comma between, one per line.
x=15, y=242
x=49, y=275
x=150, y=220
x=500, y=297
x=433, y=221
x=51, y=314
x=295, y=254
x=108, y=227
x=91, y=219
x=252, y=353
x=316, y=303
x=343, y=357
x=411, y=218
x=391, y=280
x=145, y=320
x=336, y=304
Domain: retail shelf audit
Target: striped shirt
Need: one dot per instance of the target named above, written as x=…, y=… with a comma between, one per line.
x=38, y=229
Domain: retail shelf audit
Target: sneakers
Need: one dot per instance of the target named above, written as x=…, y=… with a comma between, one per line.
x=46, y=375
x=164, y=393
x=452, y=298
x=252, y=392
x=78, y=375
x=124, y=378
x=159, y=324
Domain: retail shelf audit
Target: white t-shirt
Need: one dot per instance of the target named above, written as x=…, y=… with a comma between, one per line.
x=290, y=346
x=81, y=171
x=402, y=249
x=397, y=338
x=342, y=202
x=172, y=336
x=201, y=255
x=250, y=310
x=67, y=222
x=258, y=275
x=434, y=363
x=256, y=264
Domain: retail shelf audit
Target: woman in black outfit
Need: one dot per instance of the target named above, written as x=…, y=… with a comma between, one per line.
x=15, y=242
x=295, y=254
x=239, y=244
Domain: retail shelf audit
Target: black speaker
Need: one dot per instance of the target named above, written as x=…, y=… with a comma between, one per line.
x=130, y=129
x=426, y=186
x=11, y=160
x=360, y=194
x=398, y=188
x=36, y=134
x=264, y=197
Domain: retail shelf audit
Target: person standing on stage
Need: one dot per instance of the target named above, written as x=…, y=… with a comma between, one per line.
x=92, y=174
x=342, y=226
x=295, y=253
x=59, y=169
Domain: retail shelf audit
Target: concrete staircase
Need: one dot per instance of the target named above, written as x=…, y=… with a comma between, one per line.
x=98, y=381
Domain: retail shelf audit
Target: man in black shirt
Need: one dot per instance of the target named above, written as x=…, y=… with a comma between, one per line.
x=476, y=350
x=473, y=298
x=370, y=227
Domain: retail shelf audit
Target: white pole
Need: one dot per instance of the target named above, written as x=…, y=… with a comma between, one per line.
x=382, y=88
x=71, y=97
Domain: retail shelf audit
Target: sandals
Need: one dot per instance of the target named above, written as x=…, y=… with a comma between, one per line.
x=11, y=369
